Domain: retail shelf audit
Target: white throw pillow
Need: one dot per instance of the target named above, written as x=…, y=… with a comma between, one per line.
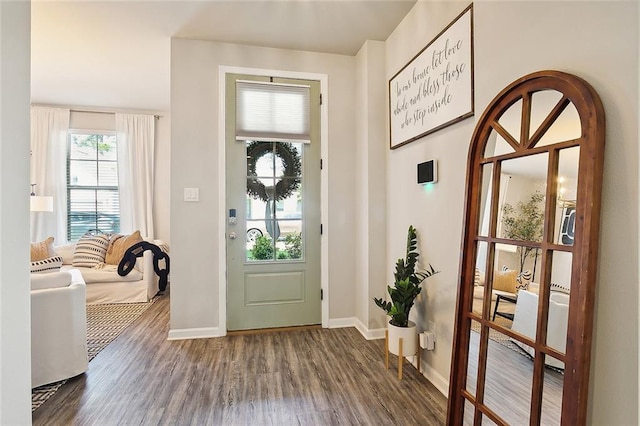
x=50, y=264
x=66, y=251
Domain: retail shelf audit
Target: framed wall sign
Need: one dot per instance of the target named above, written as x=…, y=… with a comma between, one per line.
x=435, y=89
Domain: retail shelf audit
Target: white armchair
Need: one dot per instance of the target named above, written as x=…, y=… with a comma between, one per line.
x=58, y=327
x=524, y=322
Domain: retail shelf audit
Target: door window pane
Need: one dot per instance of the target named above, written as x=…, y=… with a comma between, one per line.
x=274, y=201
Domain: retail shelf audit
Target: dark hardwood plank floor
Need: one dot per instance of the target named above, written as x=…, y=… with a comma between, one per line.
x=306, y=377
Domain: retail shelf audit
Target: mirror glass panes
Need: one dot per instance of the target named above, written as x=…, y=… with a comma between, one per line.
x=567, y=194
x=519, y=267
x=274, y=201
x=566, y=126
x=469, y=412
x=485, y=200
x=496, y=145
x=551, y=397
x=511, y=119
x=479, y=278
x=522, y=198
x=559, y=304
x=507, y=389
x=486, y=421
x=531, y=233
x=472, y=363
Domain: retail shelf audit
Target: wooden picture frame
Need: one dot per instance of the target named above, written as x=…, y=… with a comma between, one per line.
x=435, y=88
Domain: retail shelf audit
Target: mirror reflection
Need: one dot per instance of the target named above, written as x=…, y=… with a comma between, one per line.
x=480, y=279
x=524, y=174
x=497, y=145
x=509, y=377
x=511, y=119
x=469, y=412
x=510, y=399
x=485, y=200
x=565, y=128
x=551, y=398
x=567, y=194
x=472, y=366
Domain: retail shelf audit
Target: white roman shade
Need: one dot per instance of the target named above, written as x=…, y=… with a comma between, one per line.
x=272, y=112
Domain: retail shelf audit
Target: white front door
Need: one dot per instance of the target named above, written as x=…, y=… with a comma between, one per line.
x=273, y=221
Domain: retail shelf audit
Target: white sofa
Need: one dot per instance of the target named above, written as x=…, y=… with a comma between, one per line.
x=58, y=327
x=104, y=285
x=524, y=322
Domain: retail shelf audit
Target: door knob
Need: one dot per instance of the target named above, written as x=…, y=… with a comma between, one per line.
x=232, y=235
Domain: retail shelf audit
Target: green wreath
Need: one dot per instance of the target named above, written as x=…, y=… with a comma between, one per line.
x=292, y=170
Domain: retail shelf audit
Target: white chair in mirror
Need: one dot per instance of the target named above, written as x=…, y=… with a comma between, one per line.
x=524, y=322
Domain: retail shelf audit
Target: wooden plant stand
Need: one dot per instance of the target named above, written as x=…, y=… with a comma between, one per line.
x=400, y=354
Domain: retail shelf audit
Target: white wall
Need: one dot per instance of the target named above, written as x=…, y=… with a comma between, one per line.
x=597, y=41
x=194, y=158
x=435, y=210
x=15, y=319
x=371, y=154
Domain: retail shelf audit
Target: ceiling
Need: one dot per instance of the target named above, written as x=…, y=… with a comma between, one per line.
x=116, y=54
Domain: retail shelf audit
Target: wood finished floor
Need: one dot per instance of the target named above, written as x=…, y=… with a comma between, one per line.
x=307, y=377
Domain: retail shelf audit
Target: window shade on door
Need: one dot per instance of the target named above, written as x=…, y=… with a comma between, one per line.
x=272, y=112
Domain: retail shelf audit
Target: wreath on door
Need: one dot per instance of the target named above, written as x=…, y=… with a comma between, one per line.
x=291, y=163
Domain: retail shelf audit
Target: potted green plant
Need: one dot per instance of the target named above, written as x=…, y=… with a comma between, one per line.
x=407, y=281
x=524, y=223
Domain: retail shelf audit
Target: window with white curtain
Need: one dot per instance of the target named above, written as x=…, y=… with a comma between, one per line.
x=272, y=112
x=92, y=183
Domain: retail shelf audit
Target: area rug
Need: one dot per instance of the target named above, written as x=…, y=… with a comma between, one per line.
x=104, y=324
x=496, y=336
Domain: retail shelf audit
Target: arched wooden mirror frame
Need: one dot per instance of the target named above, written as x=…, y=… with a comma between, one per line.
x=584, y=251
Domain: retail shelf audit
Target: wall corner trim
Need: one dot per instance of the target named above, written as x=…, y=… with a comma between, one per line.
x=355, y=322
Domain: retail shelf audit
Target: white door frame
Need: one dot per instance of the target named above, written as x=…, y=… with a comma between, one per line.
x=223, y=70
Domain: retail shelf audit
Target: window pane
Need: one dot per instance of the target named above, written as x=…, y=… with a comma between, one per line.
x=290, y=207
x=107, y=173
x=83, y=147
x=92, y=165
x=107, y=148
x=260, y=247
x=290, y=245
x=83, y=173
x=289, y=160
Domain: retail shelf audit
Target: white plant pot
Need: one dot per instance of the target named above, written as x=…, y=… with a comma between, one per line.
x=409, y=337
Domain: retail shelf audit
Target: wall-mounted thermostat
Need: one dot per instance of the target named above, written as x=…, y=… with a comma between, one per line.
x=428, y=172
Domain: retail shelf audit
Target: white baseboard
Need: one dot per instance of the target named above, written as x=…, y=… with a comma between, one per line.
x=431, y=374
x=195, y=333
x=375, y=334
x=342, y=322
x=355, y=322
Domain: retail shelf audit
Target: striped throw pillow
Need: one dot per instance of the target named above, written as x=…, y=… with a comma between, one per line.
x=50, y=264
x=560, y=288
x=90, y=250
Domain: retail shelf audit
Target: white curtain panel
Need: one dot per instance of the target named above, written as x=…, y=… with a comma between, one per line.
x=135, y=134
x=49, y=127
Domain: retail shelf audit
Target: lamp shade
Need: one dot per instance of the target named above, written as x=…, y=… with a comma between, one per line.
x=41, y=204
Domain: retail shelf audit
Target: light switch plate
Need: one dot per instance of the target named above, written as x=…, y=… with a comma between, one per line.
x=191, y=194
